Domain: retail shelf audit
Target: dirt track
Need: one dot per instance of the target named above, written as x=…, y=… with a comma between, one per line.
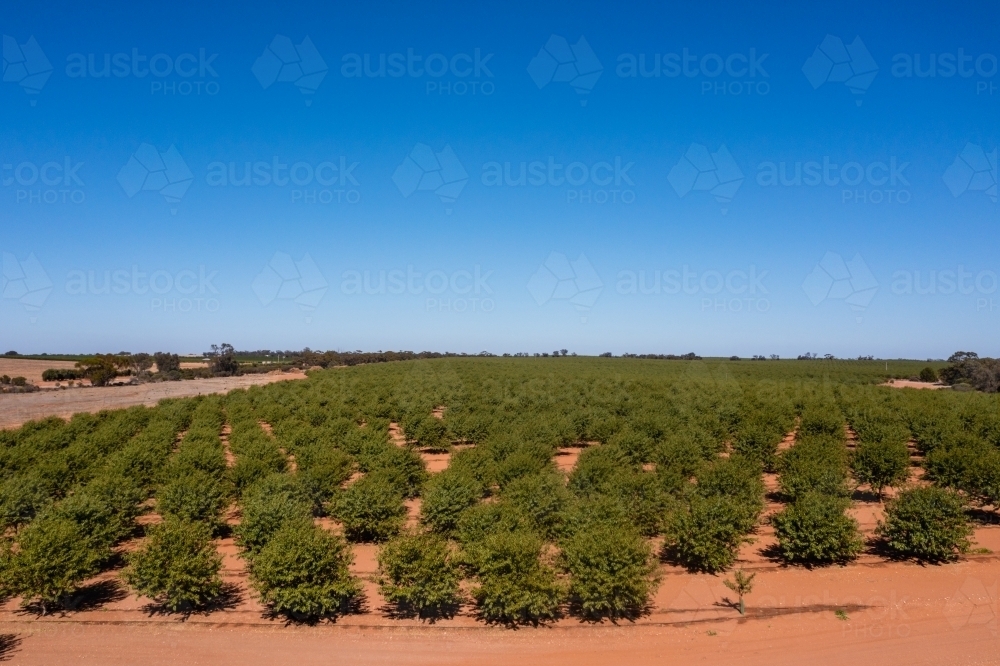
x=16, y=408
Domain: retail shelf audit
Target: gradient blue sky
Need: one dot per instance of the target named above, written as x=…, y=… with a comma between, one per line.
x=780, y=232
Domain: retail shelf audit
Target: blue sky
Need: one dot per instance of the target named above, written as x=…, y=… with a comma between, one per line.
x=671, y=180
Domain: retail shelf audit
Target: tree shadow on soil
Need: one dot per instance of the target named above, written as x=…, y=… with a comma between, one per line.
x=229, y=597
x=355, y=606
x=88, y=597
x=9, y=644
x=627, y=614
x=773, y=554
x=406, y=612
x=982, y=516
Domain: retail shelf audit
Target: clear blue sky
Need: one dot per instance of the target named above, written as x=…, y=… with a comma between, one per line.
x=736, y=179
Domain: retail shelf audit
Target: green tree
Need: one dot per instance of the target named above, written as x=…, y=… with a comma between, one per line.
x=177, y=567
x=706, y=535
x=418, y=573
x=266, y=508
x=446, y=496
x=927, y=524
x=303, y=572
x=611, y=572
x=815, y=529
x=928, y=374
x=514, y=586
x=22, y=497
x=541, y=498
x=881, y=464
x=742, y=585
x=371, y=509
x=53, y=557
x=197, y=497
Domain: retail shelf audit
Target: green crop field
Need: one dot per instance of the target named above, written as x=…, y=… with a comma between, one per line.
x=673, y=470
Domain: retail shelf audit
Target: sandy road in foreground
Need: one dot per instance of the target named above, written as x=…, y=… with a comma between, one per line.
x=16, y=408
x=894, y=613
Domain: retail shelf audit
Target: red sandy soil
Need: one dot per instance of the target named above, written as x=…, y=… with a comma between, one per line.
x=906, y=383
x=17, y=408
x=898, y=613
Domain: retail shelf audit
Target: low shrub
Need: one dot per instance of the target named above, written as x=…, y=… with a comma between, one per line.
x=815, y=464
x=611, y=572
x=514, y=586
x=418, y=573
x=303, y=572
x=541, y=498
x=815, y=529
x=22, y=497
x=446, y=496
x=927, y=524
x=195, y=497
x=880, y=464
x=178, y=567
x=266, y=508
x=928, y=374
x=706, y=534
x=53, y=557
x=371, y=509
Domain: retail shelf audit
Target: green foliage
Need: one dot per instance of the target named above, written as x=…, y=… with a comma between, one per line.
x=267, y=507
x=928, y=374
x=705, y=535
x=322, y=470
x=418, y=573
x=482, y=520
x=814, y=464
x=53, y=557
x=815, y=529
x=612, y=572
x=758, y=442
x=515, y=587
x=401, y=467
x=22, y=497
x=197, y=497
x=881, y=464
x=446, y=496
x=595, y=469
x=541, y=498
x=303, y=573
x=742, y=585
x=429, y=432
x=927, y=524
x=105, y=510
x=371, y=509
x=739, y=480
x=178, y=566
